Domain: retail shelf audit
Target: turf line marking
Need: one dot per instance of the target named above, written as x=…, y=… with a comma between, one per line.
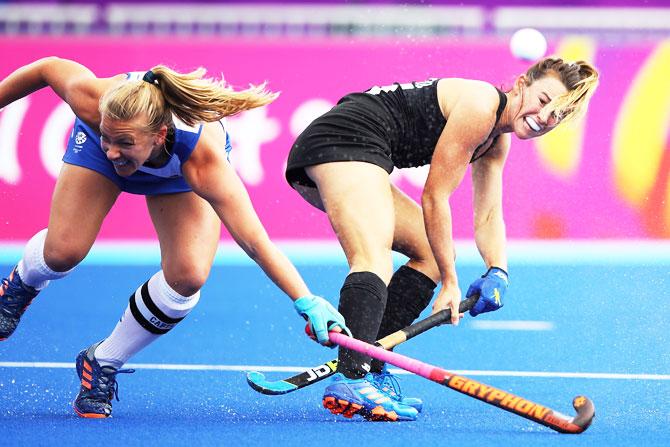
x=291, y=369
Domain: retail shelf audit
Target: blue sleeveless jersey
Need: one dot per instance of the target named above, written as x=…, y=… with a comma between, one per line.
x=84, y=149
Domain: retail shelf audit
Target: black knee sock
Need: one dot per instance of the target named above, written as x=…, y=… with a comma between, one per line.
x=362, y=302
x=409, y=293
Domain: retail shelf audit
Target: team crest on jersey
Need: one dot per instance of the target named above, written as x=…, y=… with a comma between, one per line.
x=79, y=140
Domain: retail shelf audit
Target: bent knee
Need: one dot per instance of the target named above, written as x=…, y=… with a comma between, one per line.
x=62, y=257
x=427, y=266
x=381, y=264
x=187, y=282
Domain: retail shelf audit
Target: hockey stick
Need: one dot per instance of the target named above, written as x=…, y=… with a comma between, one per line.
x=488, y=394
x=257, y=381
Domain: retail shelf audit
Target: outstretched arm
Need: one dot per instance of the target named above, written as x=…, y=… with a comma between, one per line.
x=73, y=82
x=212, y=177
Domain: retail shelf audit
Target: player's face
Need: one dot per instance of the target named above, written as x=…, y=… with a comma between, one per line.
x=126, y=144
x=534, y=119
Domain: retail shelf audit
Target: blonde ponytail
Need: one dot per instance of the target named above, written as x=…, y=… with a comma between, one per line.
x=191, y=97
x=194, y=98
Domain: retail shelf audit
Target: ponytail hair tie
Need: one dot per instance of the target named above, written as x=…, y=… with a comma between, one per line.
x=150, y=77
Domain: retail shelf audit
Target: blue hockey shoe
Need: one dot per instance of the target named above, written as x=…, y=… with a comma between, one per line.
x=98, y=385
x=15, y=297
x=362, y=396
x=389, y=383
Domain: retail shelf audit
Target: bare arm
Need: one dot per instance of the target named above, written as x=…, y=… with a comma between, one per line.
x=213, y=178
x=469, y=123
x=487, y=198
x=466, y=129
x=73, y=82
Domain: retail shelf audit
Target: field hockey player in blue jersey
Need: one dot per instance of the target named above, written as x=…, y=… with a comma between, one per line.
x=160, y=134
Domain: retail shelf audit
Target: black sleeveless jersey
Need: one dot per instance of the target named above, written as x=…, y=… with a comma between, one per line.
x=413, y=120
x=397, y=126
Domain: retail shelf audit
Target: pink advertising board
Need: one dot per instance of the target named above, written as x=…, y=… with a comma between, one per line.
x=606, y=177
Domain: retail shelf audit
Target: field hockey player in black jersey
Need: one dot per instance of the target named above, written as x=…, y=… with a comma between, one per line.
x=341, y=165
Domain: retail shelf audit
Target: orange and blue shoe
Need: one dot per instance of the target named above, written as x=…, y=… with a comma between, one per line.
x=389, y=383
x=15, y=297
x=98, y=385
x=363, y=397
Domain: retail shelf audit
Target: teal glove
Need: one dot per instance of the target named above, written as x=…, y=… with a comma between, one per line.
x=321, y=316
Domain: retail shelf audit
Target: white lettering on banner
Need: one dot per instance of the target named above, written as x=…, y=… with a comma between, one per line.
x=54, y=134
x=248, y=132
x=307, y=112
x=11, y=118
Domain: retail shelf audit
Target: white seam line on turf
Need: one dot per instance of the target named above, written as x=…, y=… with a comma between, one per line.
x=512, y=325
x=291, y=369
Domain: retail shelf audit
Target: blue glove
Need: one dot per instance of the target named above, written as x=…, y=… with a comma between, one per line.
x=491, y=288
x=320, y=315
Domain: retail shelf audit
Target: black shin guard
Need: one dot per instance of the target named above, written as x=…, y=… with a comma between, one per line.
x=409, y=293
x=362, y=302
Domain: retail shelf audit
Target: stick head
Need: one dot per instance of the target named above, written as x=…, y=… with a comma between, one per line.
x=586, y=411
x=258, y=382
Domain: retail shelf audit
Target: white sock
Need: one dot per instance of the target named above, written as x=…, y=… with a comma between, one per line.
x=154, y=309
x=32, y=269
